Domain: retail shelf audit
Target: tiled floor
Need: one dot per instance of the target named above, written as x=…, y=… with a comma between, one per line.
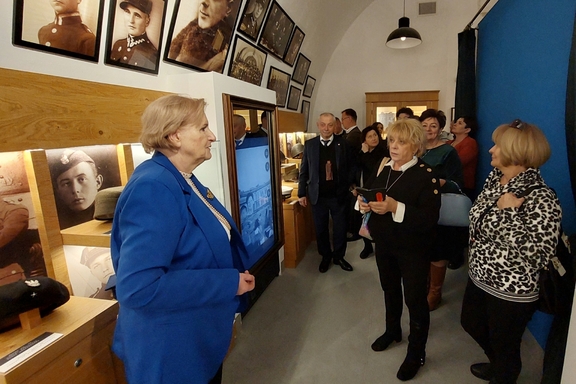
x=317, y=328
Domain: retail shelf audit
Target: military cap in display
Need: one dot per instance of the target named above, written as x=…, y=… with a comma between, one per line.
x=143, y=5
x=89, y=254
x=69, y=159
x=105, y=203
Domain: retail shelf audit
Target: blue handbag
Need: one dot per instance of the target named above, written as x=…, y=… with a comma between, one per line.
x=455, y=209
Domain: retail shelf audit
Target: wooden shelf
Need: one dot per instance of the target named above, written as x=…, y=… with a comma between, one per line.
x=94, y=233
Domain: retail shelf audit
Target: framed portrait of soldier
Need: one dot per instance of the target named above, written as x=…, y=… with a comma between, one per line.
x=294, y=98
x=301, y=69
x=277, y=31
x=278, y=81
x=200, y=34
x=305, y=110
x=68, y=27
x=77, y=175
x=252, y=18
x=309, y=87
x=135, y=33
x=248, y=62
x=294, y=46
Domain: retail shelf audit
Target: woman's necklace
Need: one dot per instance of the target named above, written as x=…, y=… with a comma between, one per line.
x=394, y=182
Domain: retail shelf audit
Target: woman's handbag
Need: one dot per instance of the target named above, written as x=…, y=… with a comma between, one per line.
x=455, y=209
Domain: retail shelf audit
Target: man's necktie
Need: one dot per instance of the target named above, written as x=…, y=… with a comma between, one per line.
x=325, y=142
x=238, y=142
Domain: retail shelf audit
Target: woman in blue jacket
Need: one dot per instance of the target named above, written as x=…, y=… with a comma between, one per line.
x=178, y=256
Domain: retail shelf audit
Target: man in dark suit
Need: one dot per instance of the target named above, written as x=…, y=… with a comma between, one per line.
x=325, y=179
x=240, y=134
x=354, y=138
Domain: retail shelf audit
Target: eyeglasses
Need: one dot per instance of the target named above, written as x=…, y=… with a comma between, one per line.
x=518, y=124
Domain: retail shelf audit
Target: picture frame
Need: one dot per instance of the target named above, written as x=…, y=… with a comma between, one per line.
x=140, y=52
x=248, y=62
x=305, y=110
x=277, y=31
x=202, y=46
x=278, y=81
x=309, y=87
x=252, y=18
x=294, y=98
x=34, y=28
x=301, y=69
x=294, y=46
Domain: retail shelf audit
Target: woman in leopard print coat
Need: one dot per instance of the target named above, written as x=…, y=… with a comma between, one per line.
x=511, y=239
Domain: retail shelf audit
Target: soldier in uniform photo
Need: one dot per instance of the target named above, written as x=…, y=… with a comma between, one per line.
x=136, y=49
x=251, y=21
x=204, y=42
x=76, y=183
x=67, y=31
x=99, y=261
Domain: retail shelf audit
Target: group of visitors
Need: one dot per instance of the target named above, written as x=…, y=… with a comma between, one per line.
x=188, y=286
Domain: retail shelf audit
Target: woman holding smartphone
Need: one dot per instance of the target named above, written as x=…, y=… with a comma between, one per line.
x=402, y=226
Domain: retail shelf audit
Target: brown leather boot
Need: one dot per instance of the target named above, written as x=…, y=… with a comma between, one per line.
x=437, y=275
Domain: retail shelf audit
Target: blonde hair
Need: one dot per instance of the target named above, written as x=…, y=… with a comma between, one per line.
x=526, y=146
x=164, y=116
x=409, y=131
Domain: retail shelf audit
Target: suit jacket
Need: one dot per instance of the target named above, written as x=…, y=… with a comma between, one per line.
x=176, y=277
x=309, y=178
x=354, y=138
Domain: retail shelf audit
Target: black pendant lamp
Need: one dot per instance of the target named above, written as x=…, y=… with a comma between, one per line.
x=404, y=36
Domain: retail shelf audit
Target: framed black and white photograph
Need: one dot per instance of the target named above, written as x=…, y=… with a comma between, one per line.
x=70, y=28
x=77, y=175
x=248, y=62
x=277, y=31
x=278, y=81
x=309, y=87
x=294, y=98
x=200, y=34
x=301, y=69
x=252, y=18
x=294, y=46
x=135, y=33
x=305, y=110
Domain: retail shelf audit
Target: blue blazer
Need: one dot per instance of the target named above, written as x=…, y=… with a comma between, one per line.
x=309, y=178
x=177, y=278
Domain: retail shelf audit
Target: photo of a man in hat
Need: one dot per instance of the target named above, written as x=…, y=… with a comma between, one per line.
x=99, y=261
x=253, y=17
x=136, y=49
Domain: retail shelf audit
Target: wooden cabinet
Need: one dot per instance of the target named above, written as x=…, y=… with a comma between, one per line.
x=81, y=355
x=298, y=231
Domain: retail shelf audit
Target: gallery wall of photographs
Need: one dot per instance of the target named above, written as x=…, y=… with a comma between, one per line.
x=45, y=224
x=244, y=34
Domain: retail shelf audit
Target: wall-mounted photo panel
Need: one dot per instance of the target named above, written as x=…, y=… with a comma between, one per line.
x=21, y=253
x=200, y=39
x=301, y=69
x=248, y=62
x=252, y=18
x=309, y=87
x=305, y=110
x=70, y=28
x=77, y=175
x=278, y=81
x=294, y=46
x=294, y=98
x=89, y=269
x=135, y=33
x=277, y=31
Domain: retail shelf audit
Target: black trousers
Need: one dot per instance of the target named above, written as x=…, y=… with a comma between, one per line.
x=497, y=326
x=397, y=267
x=321, y=212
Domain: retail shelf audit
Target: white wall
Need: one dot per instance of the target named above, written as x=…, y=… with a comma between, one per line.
x=362, y=63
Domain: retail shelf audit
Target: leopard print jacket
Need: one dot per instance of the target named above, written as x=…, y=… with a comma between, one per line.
x=508, y=247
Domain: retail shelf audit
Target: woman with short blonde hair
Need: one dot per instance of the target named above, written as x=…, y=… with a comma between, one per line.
x=514, y=229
